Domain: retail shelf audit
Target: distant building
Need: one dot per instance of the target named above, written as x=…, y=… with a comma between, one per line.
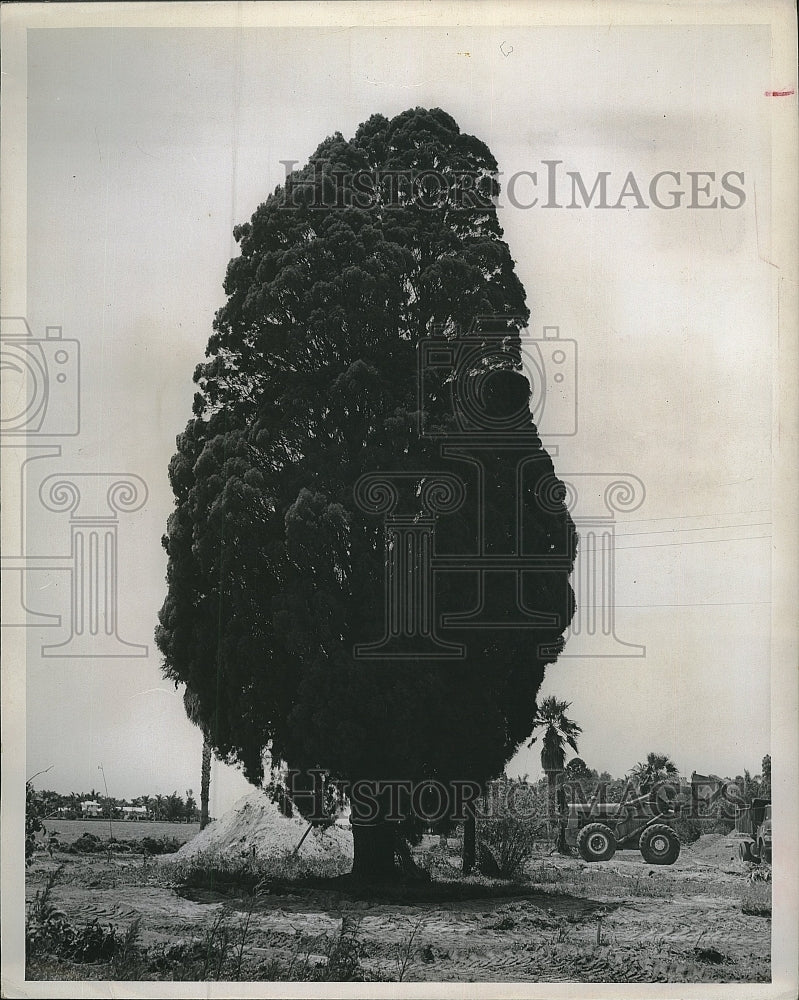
x=91, y=808
x=134, y=812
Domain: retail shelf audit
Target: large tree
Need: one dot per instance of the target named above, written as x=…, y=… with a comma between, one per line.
x=275, y=572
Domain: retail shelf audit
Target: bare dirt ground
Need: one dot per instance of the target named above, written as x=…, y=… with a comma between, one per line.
x=564, y=920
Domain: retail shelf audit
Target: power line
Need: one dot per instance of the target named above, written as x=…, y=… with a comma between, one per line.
x=693, y=517
x=702, y=604
x=704, y=541
x=717, y=527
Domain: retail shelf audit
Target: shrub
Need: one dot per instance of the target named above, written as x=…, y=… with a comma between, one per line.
x=34, y=813
x=687, y=829
x=87, y=843
x=507, y=842
x=160, y=845
x=48, y=931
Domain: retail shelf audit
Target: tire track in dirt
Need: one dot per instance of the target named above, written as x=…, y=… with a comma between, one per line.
x=536, y=937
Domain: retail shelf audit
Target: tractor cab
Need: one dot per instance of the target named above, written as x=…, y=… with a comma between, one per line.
x=754, y=822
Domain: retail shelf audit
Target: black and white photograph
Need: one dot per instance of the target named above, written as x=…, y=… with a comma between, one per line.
x=399, y=474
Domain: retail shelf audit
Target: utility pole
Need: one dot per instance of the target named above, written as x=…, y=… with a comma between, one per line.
x=107, y=802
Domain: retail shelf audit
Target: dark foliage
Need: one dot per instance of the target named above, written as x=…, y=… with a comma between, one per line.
x=48, y=931
x=34, y=813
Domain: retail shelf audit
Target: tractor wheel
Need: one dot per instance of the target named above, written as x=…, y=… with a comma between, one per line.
x=764, y=852
x=745, y=851
x=596, y=842
x=659, y=845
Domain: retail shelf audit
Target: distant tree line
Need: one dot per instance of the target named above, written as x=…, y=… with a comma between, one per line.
x=173, y=808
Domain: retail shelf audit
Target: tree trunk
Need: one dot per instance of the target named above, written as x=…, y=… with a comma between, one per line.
x=205, y=783
x=551, y=804
x=469, y=840
x=559, y=837
x=373, y=845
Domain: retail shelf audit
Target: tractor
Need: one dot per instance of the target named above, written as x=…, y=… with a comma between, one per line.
x=754, y=822
x=597, y=829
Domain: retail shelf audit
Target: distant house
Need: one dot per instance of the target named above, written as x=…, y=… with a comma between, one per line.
x=134, y=812
x=91, y=808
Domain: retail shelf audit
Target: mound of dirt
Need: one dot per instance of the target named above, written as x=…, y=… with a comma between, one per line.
x=713, y=849
x=255, y=828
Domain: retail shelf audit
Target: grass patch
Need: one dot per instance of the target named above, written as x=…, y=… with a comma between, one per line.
x=756, y=900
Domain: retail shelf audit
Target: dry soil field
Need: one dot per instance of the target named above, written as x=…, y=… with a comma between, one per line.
x=706, y=918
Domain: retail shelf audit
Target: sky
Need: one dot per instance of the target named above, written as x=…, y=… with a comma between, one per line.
x=146, y=147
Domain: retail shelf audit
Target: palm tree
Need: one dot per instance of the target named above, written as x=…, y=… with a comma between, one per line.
x=192, y=705
x=657, y=767
x=559, y=730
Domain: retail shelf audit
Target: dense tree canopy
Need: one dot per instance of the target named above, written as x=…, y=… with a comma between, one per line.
x=657, y=767
x=275, y=573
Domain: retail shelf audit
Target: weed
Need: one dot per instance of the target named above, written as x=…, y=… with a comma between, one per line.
x=405, y=950
x=127, y=962
x=243, y=940
x=344, y=958
x=563, y=933
x=711, y=956
x=49, y=932
x=506, y=923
